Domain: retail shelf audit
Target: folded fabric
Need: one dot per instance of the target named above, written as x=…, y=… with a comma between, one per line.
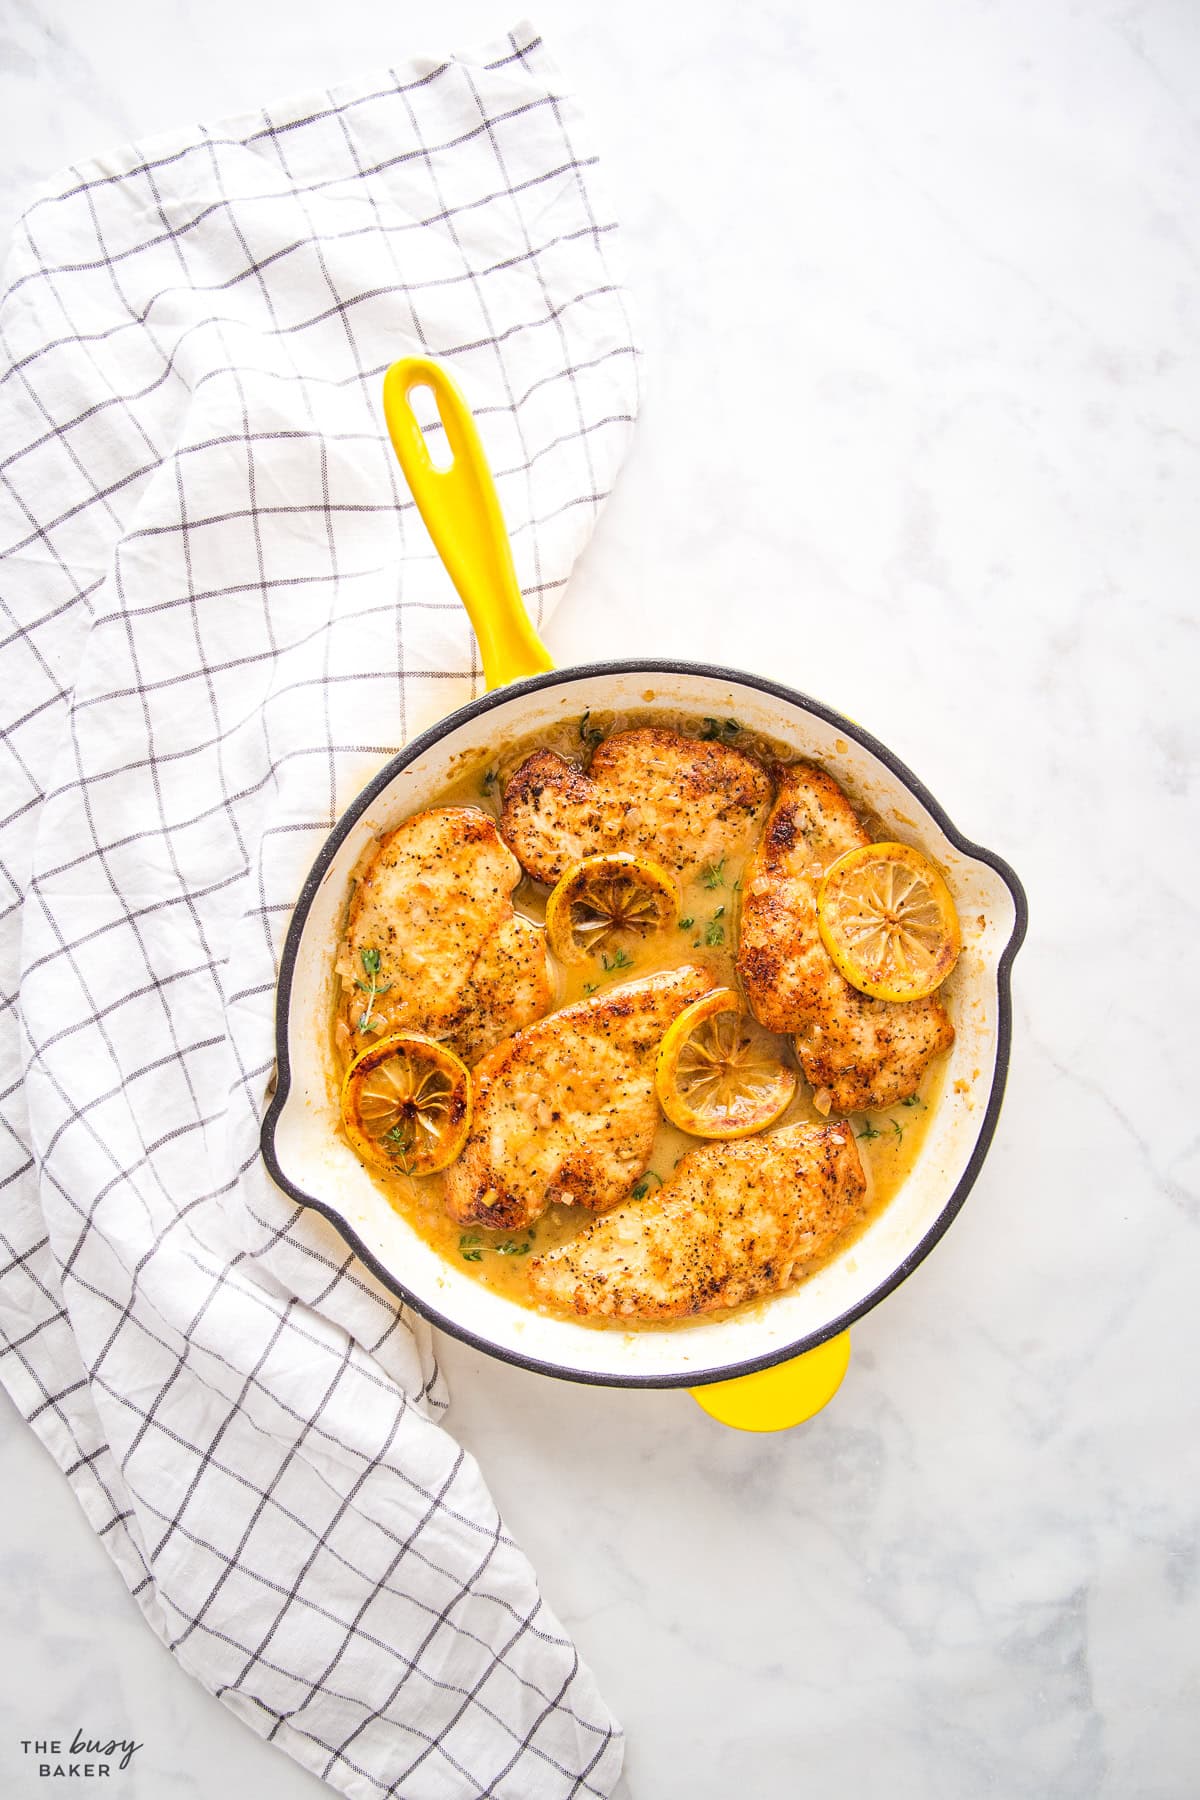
x=222, y=615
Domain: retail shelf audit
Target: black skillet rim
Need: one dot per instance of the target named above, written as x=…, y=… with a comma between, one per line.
x=501, y=697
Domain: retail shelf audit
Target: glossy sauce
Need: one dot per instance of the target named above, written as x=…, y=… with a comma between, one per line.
x=888, y=1142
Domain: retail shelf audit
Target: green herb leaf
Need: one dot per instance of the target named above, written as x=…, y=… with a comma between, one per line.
x=488, y=781
x=714, y=932
x=641, y=1188
x=471, y=1246
x=686, y=924
x=714, y=875
x=589, y=988
x=589, y=734
x=398, y=1140
x=868, y=1131
x=620, y=960
x=912, y=1101
x=371, y=988
x=899, y=1131
x=720, y=728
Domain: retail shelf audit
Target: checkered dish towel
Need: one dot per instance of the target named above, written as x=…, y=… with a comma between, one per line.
x=222, y=614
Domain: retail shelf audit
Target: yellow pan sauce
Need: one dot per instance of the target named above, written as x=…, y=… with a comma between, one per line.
x=888, y=1142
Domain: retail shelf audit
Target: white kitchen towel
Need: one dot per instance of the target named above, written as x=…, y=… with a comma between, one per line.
x=221, y=615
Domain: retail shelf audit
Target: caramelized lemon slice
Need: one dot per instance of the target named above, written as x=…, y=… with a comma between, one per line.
x=406, y=1104
x=887, y=919
x=604, y=903
x=719, y=1074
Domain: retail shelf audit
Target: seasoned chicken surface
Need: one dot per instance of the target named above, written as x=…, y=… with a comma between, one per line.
x=859, y=1054
x=432, y=930
x=650, y=792
x=733, y=1221
x=566, y=1109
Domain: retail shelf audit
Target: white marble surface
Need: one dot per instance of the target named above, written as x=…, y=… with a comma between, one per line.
x=920, y=287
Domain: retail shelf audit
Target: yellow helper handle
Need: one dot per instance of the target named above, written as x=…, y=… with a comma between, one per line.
x=461, y=509
x=775, y=1399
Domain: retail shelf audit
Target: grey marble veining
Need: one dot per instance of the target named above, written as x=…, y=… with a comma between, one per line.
x=920, y=288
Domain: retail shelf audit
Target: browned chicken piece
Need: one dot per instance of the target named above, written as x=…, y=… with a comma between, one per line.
x=649, y=792
x=510, y=986
x=733, y=1221
x=859, y=1054
x=433, y=944
x=566, y=1109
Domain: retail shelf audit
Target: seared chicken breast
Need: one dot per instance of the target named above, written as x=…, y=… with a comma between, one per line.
x=733, y=1221
x=859, y=1054
x=432, y=943
x=650, y=792
x=565, y=1110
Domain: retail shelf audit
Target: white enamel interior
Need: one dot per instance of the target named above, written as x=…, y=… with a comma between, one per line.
x=316, y=1161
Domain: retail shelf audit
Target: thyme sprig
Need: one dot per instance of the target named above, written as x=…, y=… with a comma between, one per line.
x=471, y=1247
x=371, y=987
x=590, y=735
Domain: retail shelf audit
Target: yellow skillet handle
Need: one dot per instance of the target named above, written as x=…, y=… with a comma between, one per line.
x=775, y=1399
x=462, y=512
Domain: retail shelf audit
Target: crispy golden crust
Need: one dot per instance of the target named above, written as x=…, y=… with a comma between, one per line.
x=455, y=961
x=566, y=1110
x=859, y=1054
x=650, y=792
x=732, y=1222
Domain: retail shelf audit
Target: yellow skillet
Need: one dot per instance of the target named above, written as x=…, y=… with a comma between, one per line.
x=461, y=510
